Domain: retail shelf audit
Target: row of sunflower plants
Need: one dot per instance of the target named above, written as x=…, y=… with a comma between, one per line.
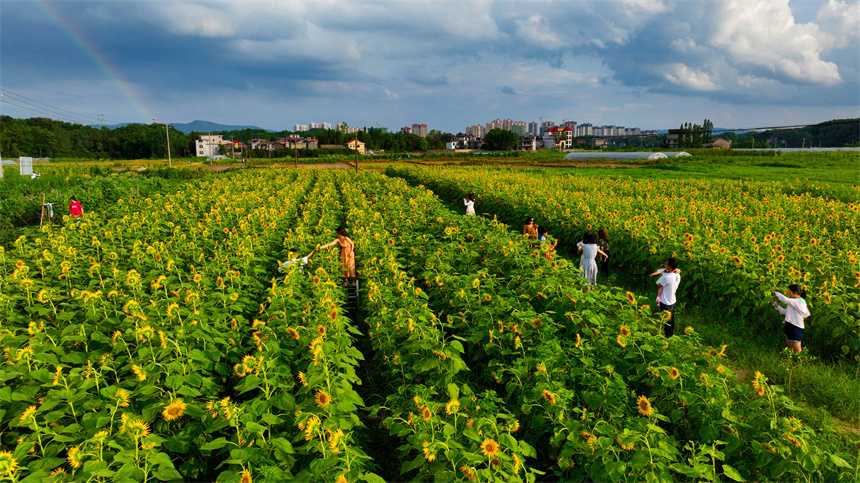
x=614, y=400
x=737, y=240
x=309, y=343
x=124, y=337
x=448, y=430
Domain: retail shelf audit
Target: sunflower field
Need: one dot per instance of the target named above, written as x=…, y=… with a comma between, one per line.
x=157, y=341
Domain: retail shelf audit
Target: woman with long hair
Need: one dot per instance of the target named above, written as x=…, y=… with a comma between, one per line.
x=347, y=253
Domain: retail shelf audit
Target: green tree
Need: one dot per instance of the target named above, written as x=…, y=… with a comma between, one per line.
x=501, y=140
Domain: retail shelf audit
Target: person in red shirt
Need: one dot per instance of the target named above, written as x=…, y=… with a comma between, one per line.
x=75, y=208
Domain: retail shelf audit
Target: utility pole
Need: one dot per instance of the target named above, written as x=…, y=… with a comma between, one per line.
x=167, y=130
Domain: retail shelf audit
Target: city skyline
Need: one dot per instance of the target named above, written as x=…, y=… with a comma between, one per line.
x=650, y=63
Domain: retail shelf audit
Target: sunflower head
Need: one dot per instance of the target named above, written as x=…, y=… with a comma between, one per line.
x=644, y=406
x=490, y=447
x=8, y=464
x=674, y=373
x=174, y=410
x=322, y=399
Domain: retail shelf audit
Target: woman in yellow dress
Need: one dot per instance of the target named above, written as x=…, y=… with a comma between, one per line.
x=347, y=253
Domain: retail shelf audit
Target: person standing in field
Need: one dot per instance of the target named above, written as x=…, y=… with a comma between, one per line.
x=347, y=253
x=588, y=264
x=530, y=228
x=795, y=311
x=667, y=285
x=470, y=204
x=603, y=243
x=75, y=208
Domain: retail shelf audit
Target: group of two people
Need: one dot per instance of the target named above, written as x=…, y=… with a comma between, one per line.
x=347, y=255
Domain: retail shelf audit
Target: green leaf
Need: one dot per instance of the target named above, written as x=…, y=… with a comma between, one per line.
x=732, y=473
x=214, y=444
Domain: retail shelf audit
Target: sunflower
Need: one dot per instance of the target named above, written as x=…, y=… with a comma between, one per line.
x=342, y=479
x=793, y=440
x=476, y=282
x=73, y=458
x=174, y=410
x=141, y=376
x=689, y=330
x=625, y=331
x=61, y=472
x=246, y=476
x=516, y=464
x=548, y=396
x=827, y=298
x=452, y=407
x=138, y=428
x=620, y=340
x=123, y=398
x=469, y=473
x=426, y=413
x=321, y=330
x=514, y=427
x=644, y=406
x=28, y=413
x=322, y=399
x=578, y=340
x=8, y=464
x=768, y=447
x=293, y=333
x=428, y=455
x=631, y=298
x=674, y=373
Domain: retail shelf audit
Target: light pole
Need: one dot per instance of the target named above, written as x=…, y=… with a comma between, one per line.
x=166, y=130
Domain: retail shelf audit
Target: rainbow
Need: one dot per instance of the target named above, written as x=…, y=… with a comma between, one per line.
x=97, y=57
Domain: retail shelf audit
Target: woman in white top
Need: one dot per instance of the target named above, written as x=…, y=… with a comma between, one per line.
x=588, y=247
x=470, y=204
x=795, y=311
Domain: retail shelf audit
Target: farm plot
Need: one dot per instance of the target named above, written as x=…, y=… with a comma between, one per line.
x=161, y=344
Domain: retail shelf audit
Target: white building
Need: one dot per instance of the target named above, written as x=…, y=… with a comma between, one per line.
x=207, y=146
x=301, y=128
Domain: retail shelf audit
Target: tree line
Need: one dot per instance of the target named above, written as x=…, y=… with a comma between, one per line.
x=41, y=137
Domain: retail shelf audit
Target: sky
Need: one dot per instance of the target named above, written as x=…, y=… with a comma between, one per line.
x=652, y=64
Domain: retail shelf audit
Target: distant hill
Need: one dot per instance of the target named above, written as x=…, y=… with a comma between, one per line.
x=206, y=126
x=199, y=126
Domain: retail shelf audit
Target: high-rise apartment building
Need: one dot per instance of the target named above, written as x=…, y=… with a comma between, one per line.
x=420, y=130
x=300, y=128
x=533, y=128
x=477, y=130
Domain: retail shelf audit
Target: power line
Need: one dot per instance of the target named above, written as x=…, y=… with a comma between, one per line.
x=49, y=107
x=44, y=113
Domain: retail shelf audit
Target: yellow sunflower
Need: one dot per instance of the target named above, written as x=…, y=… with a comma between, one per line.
x=644, y=406
x=322, y=399
x=174, y=410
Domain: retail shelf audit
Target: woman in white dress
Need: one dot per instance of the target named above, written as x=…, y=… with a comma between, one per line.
x=588, y=247
x=470, y=204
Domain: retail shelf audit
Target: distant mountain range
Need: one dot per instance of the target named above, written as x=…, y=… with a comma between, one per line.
x=199, y=126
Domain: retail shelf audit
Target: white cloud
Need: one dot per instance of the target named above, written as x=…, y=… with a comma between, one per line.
x=391, y=95
x=765, y=34
x=839, y=23
x=535, y=31
x=694, y=79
